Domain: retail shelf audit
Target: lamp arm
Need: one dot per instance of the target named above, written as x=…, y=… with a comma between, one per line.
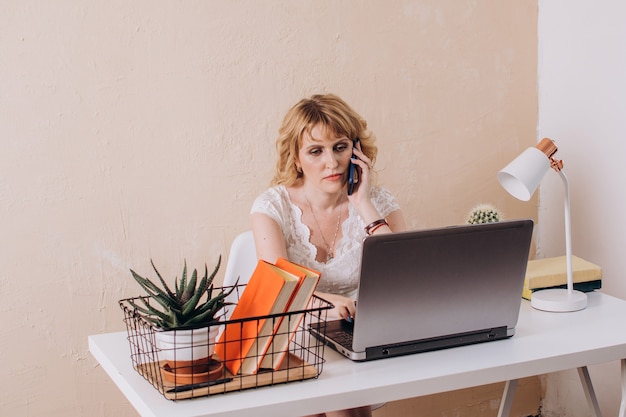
x=568, y=234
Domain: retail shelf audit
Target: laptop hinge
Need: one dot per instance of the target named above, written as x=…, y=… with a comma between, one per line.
x=425, y=345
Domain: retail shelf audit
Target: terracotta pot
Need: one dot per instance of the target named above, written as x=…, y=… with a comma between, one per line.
x=213, y=370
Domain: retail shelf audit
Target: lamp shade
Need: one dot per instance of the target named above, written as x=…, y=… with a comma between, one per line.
x=522, y=176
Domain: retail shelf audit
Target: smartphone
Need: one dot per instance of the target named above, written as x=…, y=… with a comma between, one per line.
x=354, y=172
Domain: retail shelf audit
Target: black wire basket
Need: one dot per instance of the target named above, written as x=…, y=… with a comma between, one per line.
x=179, y=370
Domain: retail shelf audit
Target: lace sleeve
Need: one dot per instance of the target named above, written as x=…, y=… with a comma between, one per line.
x=384, y=201
x=268, y=203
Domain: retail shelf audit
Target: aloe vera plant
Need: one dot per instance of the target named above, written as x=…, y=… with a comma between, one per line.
x=185, y=306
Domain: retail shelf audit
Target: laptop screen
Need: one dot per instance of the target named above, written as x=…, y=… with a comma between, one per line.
x=432, y=283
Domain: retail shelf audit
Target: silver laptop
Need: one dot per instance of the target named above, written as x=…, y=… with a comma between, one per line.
x=434, y=289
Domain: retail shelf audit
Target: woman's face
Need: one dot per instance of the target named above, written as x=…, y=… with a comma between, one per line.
x=324, y=159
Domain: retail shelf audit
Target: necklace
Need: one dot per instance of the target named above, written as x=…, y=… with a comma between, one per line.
x=329, y=248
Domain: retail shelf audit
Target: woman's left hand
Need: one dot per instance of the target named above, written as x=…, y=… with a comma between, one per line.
x=344, y=307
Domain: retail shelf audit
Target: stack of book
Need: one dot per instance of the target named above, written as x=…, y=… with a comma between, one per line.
x=552, y=273
x=284, y=289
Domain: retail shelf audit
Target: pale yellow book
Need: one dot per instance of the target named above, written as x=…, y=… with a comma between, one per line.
x=288, y=326
x=552, y=272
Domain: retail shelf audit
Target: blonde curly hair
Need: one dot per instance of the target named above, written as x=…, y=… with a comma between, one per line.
x=326, y=109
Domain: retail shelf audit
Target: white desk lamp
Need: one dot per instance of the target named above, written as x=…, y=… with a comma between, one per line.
x=521, y=178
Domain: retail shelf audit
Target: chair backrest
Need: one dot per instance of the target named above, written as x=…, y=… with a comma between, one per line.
x=242, y=260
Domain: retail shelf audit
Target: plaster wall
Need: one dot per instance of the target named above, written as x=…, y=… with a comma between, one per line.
x=582, y=62
x=144, y=129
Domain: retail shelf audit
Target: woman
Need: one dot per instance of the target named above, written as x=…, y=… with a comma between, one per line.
x=307, y=215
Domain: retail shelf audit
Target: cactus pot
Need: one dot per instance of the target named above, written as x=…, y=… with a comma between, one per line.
x=186, y=354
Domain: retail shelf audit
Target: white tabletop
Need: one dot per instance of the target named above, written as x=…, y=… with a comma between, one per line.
x=544, y=342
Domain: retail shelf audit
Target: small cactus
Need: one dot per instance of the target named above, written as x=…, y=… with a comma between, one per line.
x=483, y=213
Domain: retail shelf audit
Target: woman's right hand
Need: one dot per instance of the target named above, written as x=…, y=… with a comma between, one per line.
x=344, y=307
x=362, y=193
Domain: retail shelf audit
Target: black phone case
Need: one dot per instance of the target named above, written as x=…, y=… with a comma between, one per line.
x=353, y=174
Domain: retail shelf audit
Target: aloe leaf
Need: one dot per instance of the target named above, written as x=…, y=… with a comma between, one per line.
x=213, y=304
x=173, y=319
x=218, y=299
x=139, y=308
x=204, y=282
x=209, y=284
x=148, y=285
x=217, y=267
x=206, y=317
x=191, y=288
x=165, y=286
x=189, y=307
x=149, y=311
x=153, y=291
x=166, y=302
x=182, y=284
x=154, y=321
x=174, y=310
x=231, y=289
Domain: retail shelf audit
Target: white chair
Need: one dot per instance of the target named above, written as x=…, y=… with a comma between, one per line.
x=242, y=260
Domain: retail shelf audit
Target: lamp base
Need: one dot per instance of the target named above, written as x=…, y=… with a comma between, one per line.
x=558, y=300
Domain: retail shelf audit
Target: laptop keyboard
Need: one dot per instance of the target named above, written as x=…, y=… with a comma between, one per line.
x=344, y=338
x=343, y=334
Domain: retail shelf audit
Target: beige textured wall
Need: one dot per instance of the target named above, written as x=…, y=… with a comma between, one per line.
x=143, y=129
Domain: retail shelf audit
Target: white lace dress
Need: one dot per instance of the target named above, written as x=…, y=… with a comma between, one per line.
x=340, y=275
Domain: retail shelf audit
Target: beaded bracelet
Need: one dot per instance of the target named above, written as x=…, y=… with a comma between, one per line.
x=371, y=228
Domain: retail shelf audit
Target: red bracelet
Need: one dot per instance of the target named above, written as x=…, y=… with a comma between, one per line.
x=371, y=228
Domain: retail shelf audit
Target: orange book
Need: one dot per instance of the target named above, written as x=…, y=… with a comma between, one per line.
x=308, y=280
x=243, y=344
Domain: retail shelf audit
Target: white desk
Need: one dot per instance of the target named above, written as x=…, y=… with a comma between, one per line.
x=544, y=342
